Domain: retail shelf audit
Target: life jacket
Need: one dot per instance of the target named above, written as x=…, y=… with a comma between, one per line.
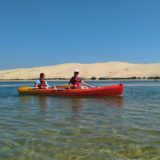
x=42, y=83
x=77, y=81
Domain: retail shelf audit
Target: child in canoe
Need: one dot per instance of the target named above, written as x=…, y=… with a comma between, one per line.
x=41, y=82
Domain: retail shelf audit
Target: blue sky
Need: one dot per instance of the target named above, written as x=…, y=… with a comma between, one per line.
x=48, y=32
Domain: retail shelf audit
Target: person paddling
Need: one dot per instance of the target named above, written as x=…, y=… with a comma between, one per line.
x=76, y=82
x=41, y=82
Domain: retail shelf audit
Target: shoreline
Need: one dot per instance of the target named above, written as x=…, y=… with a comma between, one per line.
x=84, y=80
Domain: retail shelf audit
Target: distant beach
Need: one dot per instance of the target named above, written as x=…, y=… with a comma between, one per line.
x=95, y=71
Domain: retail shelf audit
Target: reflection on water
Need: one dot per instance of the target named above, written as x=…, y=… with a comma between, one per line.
x=24, y=100
x=76, y=104
x=112, y=101
x=42, y=101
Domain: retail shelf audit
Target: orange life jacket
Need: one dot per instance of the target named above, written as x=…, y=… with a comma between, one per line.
x=42, y=84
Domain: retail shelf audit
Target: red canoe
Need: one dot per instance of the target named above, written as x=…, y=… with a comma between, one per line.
x=114, y=90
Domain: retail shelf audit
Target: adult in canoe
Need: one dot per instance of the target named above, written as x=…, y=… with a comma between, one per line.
x=76, y=82
x=41, y=82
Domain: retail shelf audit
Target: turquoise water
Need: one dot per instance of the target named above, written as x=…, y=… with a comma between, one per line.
x=49, y=128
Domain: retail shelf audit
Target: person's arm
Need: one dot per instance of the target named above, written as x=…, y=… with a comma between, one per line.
x=37, y=83
x=70, y=83
x=85, y=84
x=47, y=85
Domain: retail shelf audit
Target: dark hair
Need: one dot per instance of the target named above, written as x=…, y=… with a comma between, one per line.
x=42, y=74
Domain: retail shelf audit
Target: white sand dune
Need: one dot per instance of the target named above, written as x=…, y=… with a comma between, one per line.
x=108, y=69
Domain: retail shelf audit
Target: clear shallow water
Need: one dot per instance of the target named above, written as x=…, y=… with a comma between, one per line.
x=47, y=128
